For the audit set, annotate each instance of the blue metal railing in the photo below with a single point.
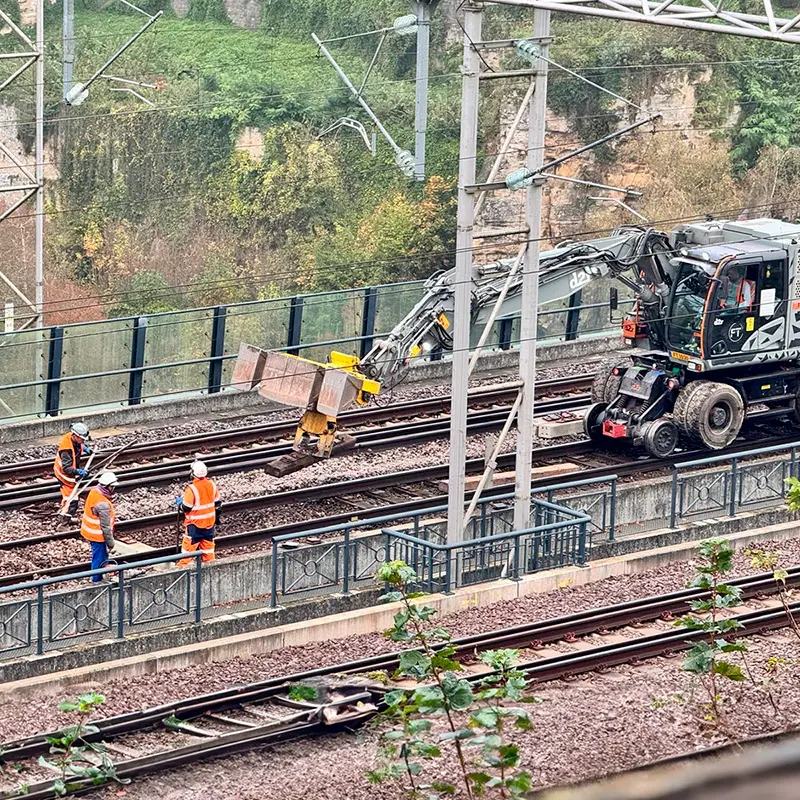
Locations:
(739, 484)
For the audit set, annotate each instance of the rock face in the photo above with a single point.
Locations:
(566, 205)
(244, 13)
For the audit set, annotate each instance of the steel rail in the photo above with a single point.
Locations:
(362, 486)
(248, 433)
(538, 671)
(254, 457)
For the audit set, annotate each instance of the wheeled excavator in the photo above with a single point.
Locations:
(714, 331)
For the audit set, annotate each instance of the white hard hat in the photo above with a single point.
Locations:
(108, 479)
(199, 469)
(80, 429)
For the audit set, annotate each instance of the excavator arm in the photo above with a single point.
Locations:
(325, 390)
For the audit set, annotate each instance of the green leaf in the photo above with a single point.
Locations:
(419, 725)
(519, 783)
(69, 705)
(444, 788)
(780, 575)
(460, 734)
(731, 647)
(391, 597)
(442, 663)
(428, 750)
(395, 573)
(415, 664)
(394, 735)
(395, 697)
(414, 767)
(478, 781)
(400, 619)
(303, 693)
(59, 787)
(484, 718)
(524, 723)
(425, 613)
(457, 691)
(510, 754)
(428, 699)
(727, 670)
(490, 741)
(699, 659)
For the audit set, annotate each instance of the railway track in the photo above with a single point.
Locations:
(247, 717)
(378, 496)
(489, 409)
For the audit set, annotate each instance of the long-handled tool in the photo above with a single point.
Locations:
(73, 495)
(81, 484)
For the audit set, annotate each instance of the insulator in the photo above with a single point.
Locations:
(406, 161)
(528, 50)
(405, 26)
(519, 179)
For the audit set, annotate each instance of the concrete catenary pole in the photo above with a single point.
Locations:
(530, 279)
(463, 273)
(68, 45)
(423, 13)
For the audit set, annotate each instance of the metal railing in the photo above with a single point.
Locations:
(132, 360)
(33, 621)
(741, 483)
(444, 567)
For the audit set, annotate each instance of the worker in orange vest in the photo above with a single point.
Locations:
(98, 522)
(200, 506)
(67, 467)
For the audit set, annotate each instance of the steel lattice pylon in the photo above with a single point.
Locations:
(19, 47)
(699, 15)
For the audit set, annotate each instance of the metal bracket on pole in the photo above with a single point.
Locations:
(80, 91)
(403, 158)
(353, 124)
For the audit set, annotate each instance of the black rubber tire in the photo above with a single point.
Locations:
(605, 386)
(590, 426)
(661, 438)
(709, 413)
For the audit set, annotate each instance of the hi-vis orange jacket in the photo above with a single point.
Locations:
(66, 445)
(91, 528)
(201, 498)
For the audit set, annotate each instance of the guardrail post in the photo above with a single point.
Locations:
(274, 599)
(198, 589)
(215, 362)
(447, 572)
(612, 511)
(121, 604)
(39, 620)
(138, 342)
(295, 325)
(368, 319)
(732, 499)
(573, 317)
(54, 363)
(346, 563)
(505, 331)
(582, 544)
(673, 511)
(515, 566)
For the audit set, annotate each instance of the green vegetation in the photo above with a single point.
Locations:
(223, 186)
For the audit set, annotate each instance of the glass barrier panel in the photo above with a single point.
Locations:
(394, 302)
(23, 358)
(182, 336)
(594, 321)
(330, 318)
(92, 348)
(263, 324)
(175, 383)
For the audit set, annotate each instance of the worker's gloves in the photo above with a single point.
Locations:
(179, 502)
(82, 473)
(87, 451)
(114, 552)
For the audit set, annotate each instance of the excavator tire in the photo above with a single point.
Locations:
(708, 413)
(605, 387)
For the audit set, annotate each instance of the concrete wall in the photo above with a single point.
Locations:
(206, 405)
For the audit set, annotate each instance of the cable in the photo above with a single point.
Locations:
(179, 322)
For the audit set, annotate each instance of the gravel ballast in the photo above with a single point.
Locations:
(38, 711)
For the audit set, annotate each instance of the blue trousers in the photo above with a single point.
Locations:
(99, 558)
